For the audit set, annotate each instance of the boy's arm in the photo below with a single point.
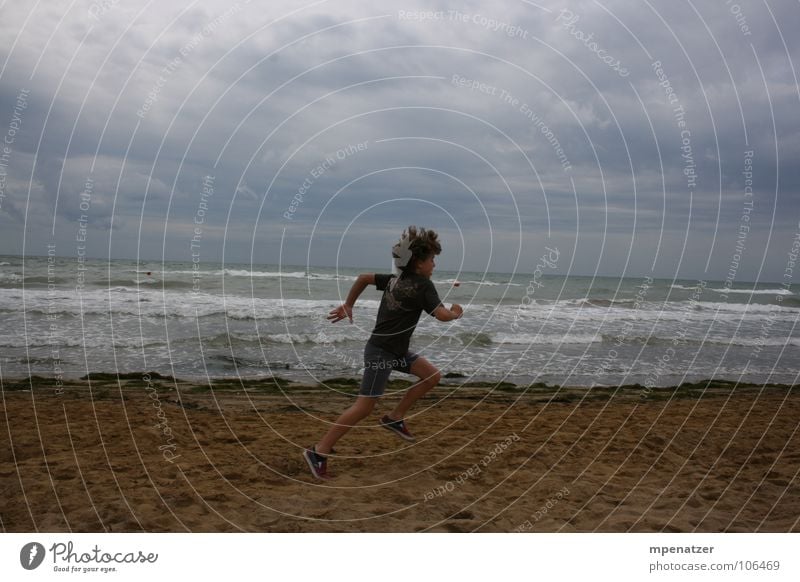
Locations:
(443, 314)
(346, 309)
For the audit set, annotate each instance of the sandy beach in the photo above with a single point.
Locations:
(149, 453)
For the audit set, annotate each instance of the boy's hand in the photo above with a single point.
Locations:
(340, 313)
(456, 308)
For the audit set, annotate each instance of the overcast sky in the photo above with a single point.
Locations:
(620, 133)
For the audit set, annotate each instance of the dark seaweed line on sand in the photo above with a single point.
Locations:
(102, 384)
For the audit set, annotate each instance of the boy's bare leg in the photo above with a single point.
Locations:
(429, 377)
(348, 419)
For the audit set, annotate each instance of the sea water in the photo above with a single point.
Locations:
(227, 320)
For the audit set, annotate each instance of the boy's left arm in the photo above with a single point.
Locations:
(346, 308)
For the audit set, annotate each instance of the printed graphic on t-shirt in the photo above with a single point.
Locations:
(404, 299)
(401, 293)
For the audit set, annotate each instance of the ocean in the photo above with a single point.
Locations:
(66, 319)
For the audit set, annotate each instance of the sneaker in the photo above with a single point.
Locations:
(398, 427)
(317, 463)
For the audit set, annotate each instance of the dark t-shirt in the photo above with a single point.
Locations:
(402, 303)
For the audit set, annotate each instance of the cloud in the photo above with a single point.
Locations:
(518, 117)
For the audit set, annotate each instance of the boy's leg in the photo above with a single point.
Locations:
(429, 376)
(349, 418)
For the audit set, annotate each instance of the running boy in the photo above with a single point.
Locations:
(404, 298)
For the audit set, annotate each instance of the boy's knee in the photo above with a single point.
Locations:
(364, 406)
(435, 378)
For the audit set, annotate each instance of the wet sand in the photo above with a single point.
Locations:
(157, 454)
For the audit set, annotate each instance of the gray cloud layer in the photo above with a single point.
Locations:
(516, 123)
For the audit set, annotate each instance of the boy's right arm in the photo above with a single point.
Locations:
(361, 283)
(443, 314)
(346, 309)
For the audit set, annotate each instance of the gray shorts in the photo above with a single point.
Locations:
(378, 364)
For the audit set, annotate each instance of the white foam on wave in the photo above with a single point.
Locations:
(754, 291)
(701, 313)
(546, 339)
(330, 277)
(777, 291)
(766, 342)
(491, 283)
(310, 338)
(246, 273)
(63, 340)
(155, 303)
(268, 274)
(742, 308)
(469, 282)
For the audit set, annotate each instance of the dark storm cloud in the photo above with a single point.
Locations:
(542, 118)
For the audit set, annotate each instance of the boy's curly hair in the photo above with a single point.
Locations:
(421, 242)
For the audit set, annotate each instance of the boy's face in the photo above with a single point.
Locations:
(426, 267)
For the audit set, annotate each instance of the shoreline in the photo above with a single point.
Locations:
(350, 384)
